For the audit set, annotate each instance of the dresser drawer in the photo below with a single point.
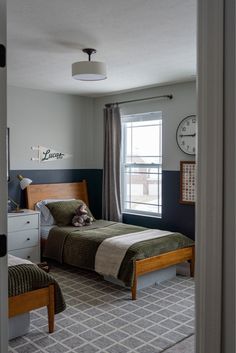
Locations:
(23, 222)
(31, 254)
(23, 239)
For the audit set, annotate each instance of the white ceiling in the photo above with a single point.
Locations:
(143, 42)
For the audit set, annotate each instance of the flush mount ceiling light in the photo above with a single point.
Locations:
(89, 70)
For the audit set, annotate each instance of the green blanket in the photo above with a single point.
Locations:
(78, 246)
(26, 277)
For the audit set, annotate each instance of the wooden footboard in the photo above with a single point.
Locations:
(32, 300)
(160, 262)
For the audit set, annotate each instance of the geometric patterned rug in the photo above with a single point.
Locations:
(101, 318)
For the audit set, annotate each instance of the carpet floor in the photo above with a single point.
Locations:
(185, 346)
(101, 318)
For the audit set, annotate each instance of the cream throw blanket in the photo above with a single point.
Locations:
(111, 251)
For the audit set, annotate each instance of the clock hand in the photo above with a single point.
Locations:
(193, 135)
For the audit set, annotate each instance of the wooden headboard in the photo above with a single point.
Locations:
(38, 192)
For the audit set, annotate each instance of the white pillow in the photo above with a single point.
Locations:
(46, 216)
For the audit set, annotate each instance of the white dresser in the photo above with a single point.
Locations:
(24, 235)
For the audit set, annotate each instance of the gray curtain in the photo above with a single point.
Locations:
(111, 168)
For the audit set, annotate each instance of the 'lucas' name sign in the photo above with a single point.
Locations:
(47, 154)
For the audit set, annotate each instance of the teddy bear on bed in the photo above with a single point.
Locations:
(81, 217)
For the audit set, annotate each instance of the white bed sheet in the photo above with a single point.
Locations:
(44, 231)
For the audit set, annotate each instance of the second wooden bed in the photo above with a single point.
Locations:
(30, 288)
(23, 303)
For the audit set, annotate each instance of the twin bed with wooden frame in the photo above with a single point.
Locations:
(23, 303)
(29, 288)
(38, 192)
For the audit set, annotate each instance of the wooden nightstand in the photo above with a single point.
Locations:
(24, 235)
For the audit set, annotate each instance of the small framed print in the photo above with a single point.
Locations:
(187, 182)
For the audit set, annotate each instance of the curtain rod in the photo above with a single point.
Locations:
(169, 96)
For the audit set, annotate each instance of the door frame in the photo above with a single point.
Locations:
(216, 176)
(3, 188)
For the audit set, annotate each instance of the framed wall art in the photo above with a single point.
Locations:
(187, 182)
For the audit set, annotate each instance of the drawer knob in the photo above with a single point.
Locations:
(28, 257)
(28, 239)
(28, 222)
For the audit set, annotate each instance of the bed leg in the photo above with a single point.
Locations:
(134, 292)
(192, 263)
(51, 308)
(134, 287)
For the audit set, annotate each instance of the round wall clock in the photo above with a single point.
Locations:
(186, 134)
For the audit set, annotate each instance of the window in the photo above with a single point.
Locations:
(141, 166)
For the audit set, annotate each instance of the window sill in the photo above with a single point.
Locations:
(141, 215)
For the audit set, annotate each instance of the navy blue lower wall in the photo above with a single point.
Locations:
(93, 177)
(175, 216)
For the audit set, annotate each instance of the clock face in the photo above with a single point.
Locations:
(186, 134)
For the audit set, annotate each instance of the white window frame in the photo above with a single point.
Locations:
(147, 116)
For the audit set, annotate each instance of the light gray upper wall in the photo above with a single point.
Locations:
(182, 104)
(60, 121)
(74, 124)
